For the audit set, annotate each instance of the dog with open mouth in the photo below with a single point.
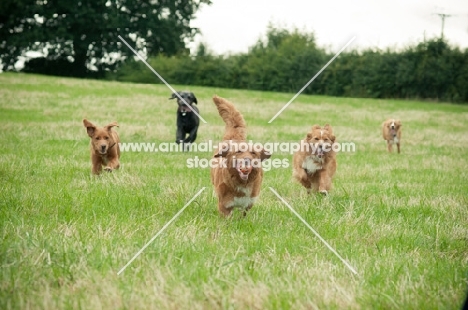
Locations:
(314, 165)
(391, 131)
(236, 170)
(104, 145)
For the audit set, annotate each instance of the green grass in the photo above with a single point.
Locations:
(399, 220)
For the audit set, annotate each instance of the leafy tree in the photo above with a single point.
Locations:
(85, 32)
(285, 61)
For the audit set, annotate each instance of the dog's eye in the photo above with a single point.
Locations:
(316, 139)
(107, 138)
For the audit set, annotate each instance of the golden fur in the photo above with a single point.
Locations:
(104, 146)
(315, 163)
(391, 132)
(236, 171)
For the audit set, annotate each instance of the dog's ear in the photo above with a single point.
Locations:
(332, 138)
(328, 128)
(90, 127)
(264, 155)
(316, 127)
(109, 126)
(223, 149)
(173, 96)
(398, 122)
(194, 99)
(221, 153)
(309, 136)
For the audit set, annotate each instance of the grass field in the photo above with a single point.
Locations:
(400, 220)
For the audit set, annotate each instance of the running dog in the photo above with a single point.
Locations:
(314, 165)
(187, 120)
(105, 150)
(236, 170)
(391, 131)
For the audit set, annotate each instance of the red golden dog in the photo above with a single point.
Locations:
(104, 146)
(236, 171)
(391, 131)
(315, 164)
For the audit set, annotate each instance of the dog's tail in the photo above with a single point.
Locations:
(235, 123)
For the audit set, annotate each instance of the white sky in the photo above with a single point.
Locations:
(232, 26)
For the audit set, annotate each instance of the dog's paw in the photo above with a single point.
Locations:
(323, 192)
(108, 169)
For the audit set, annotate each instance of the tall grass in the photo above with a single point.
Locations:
(399, 220)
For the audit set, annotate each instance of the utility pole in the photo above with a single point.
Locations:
(443, 16)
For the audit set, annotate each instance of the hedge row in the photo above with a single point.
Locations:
(287, 60)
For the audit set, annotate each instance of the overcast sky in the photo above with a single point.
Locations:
(232, 26)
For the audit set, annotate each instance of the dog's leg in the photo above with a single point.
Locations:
(112, 164)
(192, 135)
(190, 139)
(312, 182)
(244, 213)
(223, 201)
(398, 147)
(180, 135)
(324, 182)
(389, 146)
(307, 184)
(223, 210)
(97, 164)
(301, 175)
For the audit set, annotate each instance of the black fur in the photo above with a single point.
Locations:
(187, 120)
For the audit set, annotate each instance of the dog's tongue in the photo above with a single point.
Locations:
(244, 172)
(320, 153)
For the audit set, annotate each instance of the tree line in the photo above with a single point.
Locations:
(81, 38)
(287, 59)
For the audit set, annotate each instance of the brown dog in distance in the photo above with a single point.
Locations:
(105, 150)
(391, 131)
(236, 171)
(315, 163)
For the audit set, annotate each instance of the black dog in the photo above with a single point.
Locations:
(187, 120)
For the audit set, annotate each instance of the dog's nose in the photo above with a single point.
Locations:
(245, 162)
(103, 148)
